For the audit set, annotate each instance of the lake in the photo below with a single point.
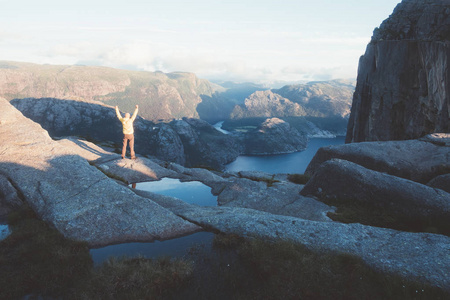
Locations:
(283, 163)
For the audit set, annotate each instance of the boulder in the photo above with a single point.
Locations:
(441, 182)
(346, 180)
(76, 198)
(418, 160)
(281, 198)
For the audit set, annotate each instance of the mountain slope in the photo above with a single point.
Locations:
(160, 95)
(314, 99)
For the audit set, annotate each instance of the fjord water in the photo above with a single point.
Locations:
(293, 163)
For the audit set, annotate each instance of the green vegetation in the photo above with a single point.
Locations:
(351, 211)
(298, 178)
(269, 181)
(137, 278)
(36, 260)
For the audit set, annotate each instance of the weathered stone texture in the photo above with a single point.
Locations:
(403, 82)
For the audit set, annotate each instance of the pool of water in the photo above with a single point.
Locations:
(4, 231)
(178, 247)
(192, 192)
(283, 163)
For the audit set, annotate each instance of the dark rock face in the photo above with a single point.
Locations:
(402, 87)
(274, 136)
(441, 182)
(418, 160)
(205, 146)
(9, 199)
(188, 141)
(346, 180)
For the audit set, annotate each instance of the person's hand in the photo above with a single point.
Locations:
(137, 106)
(117, 107)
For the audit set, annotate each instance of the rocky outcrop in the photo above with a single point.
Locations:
(274, 136)
(402, 88)
(204, 146)
(159, 95)
(419, 160)
(278, 197)
(386, 250)
(170, 145)
(441, 182)
(184, 141)
(342, 179)
(71, 195)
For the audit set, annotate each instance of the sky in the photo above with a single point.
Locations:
(263, 41)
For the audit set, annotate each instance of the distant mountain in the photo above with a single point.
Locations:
(267, 104)
(322, 98)
(220, 105)
(315, 99)
(164, 97)
(160, 95)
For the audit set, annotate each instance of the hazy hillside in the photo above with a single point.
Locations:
(316, 99)
(160, 95)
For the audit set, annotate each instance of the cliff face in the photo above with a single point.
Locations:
(403, 83)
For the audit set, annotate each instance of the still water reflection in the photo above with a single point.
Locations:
(192, 192)
(175, 248)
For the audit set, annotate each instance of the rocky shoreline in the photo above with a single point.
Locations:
(81, 190)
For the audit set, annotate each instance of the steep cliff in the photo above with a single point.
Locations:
(403, 83)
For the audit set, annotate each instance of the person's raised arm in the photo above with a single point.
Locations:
(135, 113)
(119, 116)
